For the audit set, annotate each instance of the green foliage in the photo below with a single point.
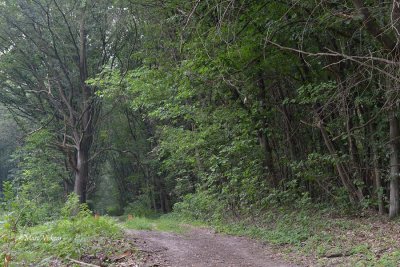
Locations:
(40, 245)
(316, 93)
(8, 141)
(388, 259)
(207, 109)
(292, 196)
(74, 209)
(34, 193)
(21, 211)
(279, 229)
(200, 206)
(315, 166)
(8, 195)
(216, 114)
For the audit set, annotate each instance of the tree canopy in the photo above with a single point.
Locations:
(219, 108)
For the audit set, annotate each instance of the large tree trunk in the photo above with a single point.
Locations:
(376, 172)
(83, 135)
(378, 184)
(81, 174)
(394, 128)
(394, 165)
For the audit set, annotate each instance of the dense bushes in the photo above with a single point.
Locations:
(199, 206)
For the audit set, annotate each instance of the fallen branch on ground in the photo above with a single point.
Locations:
(83, 263)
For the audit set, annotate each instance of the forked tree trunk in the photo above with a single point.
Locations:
(84, 133)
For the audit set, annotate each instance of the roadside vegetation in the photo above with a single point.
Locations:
(306, 233)
(319, 239)
(72, 238)
(278, 120)
(61, 241)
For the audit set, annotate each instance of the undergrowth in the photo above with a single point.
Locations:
(58, 240)
(75, 233)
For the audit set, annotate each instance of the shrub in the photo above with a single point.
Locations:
(72, 208)
(22, 210)
(199, 206)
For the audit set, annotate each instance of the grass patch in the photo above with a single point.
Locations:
(58, 240)
(163, 223)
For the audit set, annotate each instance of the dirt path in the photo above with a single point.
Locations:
(201, 248)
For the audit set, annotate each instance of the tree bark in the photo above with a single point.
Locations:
(394, 166)
(353, 150)
(84, 133)
(378, 184)
(81, 174)
(269, 167)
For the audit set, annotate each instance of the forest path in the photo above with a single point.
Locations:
(200, 247)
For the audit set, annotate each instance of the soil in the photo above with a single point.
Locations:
(200, 247)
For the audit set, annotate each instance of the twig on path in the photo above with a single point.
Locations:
(339, 254)
(83, 263)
